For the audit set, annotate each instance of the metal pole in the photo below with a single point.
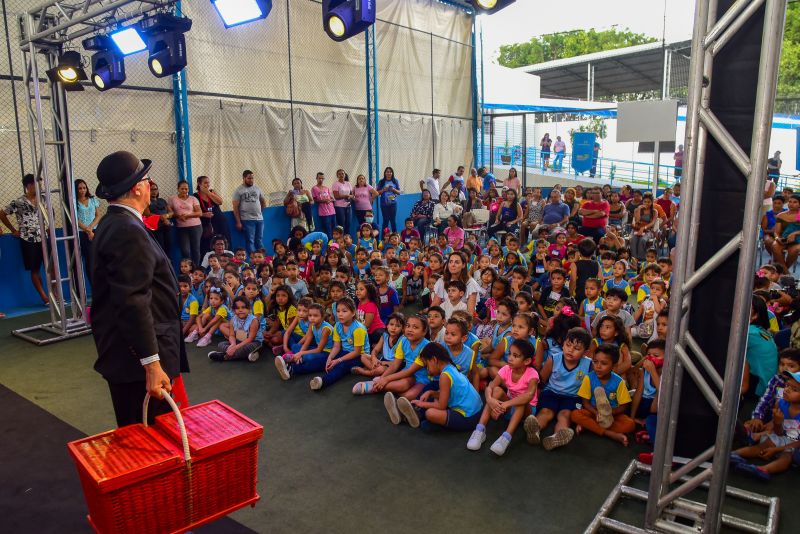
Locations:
(483, 123)
(656, 166)
(474, 83)
(524, 150)
(772, 35)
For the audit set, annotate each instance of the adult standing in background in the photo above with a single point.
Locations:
(363, 195)
(431, 183)
(488, 181)
(545, 144)
(323, 198)
(513, 181)
(343, 196)
(560, 150)
(456, 180)
(595, 157)
(305, 201)
(389, 190)
(186, 212)
(212, 219)
(774, 165)
(159, 206)
(594, 213)
(678, 157)
(474, 181)
(88, 210)
(248, 201)
(135, 309)
(25, 208)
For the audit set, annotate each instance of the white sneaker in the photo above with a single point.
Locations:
(532, 430)
(408, 411)
(499, 447)
(204, 341)
(192, 337)
(316, 383)
(476, 440)
(253, 356)
(282, 368)
(390, 404)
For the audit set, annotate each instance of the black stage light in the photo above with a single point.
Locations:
(491, 6)
(69, 71)
(343, 19)
(166, 43)
(108, 63)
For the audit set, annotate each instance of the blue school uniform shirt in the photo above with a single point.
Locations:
(403, 351)
(387, 302)
(387, 354)
(473, 342)
(623, 284)
(565, 381)
(590, 309)
(464, 360)
(243, 325)
(463, 397)
(616, 391)
(362, 273)
(649, 389)
(351, 337)
(317, 333)
(303, 325)
(197, 293)
(189, 305)
(508, 340)
(551, 348)
(607, 273)
(369, 244)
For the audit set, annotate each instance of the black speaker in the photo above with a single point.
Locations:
(733, 95)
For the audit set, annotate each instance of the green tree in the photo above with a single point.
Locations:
(789, 75)
(568, 44)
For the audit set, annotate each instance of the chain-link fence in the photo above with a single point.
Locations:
(276, 96)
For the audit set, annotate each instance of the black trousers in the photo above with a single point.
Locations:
(128, 399)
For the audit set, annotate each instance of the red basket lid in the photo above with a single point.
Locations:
(120, 457)
(211, 427)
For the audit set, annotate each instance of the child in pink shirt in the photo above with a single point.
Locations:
(454, 233)
(513, 391)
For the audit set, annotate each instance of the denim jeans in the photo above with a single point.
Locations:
(312, 363)
(327, 222)
(389, 214)
(343, 217)
(253, 234)
(558, 163)
(594, 233)
(189, 240)
(341, 370)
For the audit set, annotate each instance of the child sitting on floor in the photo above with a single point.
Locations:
(511, 394)
(605, 398)
(210, 320)
(314, 349)
(564, 374)
(350, 341)
(376, 363)
(245, 337)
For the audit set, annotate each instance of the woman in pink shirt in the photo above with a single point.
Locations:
(187, 212)
(364, 195)
(454, 233)
(343, 195)
(513, 182)
(323, 198)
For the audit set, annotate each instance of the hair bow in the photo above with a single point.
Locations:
(214, 290)
(567, 310)
(761, 273)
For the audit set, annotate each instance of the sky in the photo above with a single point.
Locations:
(529, 18)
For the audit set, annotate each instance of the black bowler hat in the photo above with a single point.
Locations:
(118, 173)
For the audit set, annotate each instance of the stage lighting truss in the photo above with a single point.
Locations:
(236, 12)
(166, 43)
(343, 19)
(490, 6)
(69, 71)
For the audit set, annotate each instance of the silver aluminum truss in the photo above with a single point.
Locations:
(44, 31)
(671, 479)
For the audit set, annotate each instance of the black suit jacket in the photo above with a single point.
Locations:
(135, 302)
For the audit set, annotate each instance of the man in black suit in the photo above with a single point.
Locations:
(135, 306)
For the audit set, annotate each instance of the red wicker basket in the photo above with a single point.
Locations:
(152, 479)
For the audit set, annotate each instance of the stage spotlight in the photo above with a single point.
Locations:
(108, 70)
(69, 71)
(343, 19)
(491, 6)
(166, 43)
(128, 40)
(236, 12)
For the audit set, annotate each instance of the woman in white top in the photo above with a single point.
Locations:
(456, 270)
(444, 209)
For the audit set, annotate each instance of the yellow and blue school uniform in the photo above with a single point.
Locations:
(361, 272)
(243, 325)
(317, 333)
(222, 311)
(463, 360)
(198, 293)
(473, 342)
(190, 308)
(387, 351)
(286, 316)
(643, 293)
(410, 355)
(774, 325)
(368, 244)
(351, 337)
(551, 348)
(607, 274)
(497, 336)
(463, 398)
(615, 388)
(564, 381)
(623, 284)
(591, 309)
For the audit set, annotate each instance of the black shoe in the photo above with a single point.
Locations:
(216, 356)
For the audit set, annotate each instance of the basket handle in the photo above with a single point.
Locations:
(178, 417)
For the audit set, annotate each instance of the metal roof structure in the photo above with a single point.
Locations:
(634, 69)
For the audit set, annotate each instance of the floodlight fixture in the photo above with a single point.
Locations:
(343, 19)
(166, 43)
(128, 40)
(108, 69)
(236, 12)
(69, 71)
(491, 6)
